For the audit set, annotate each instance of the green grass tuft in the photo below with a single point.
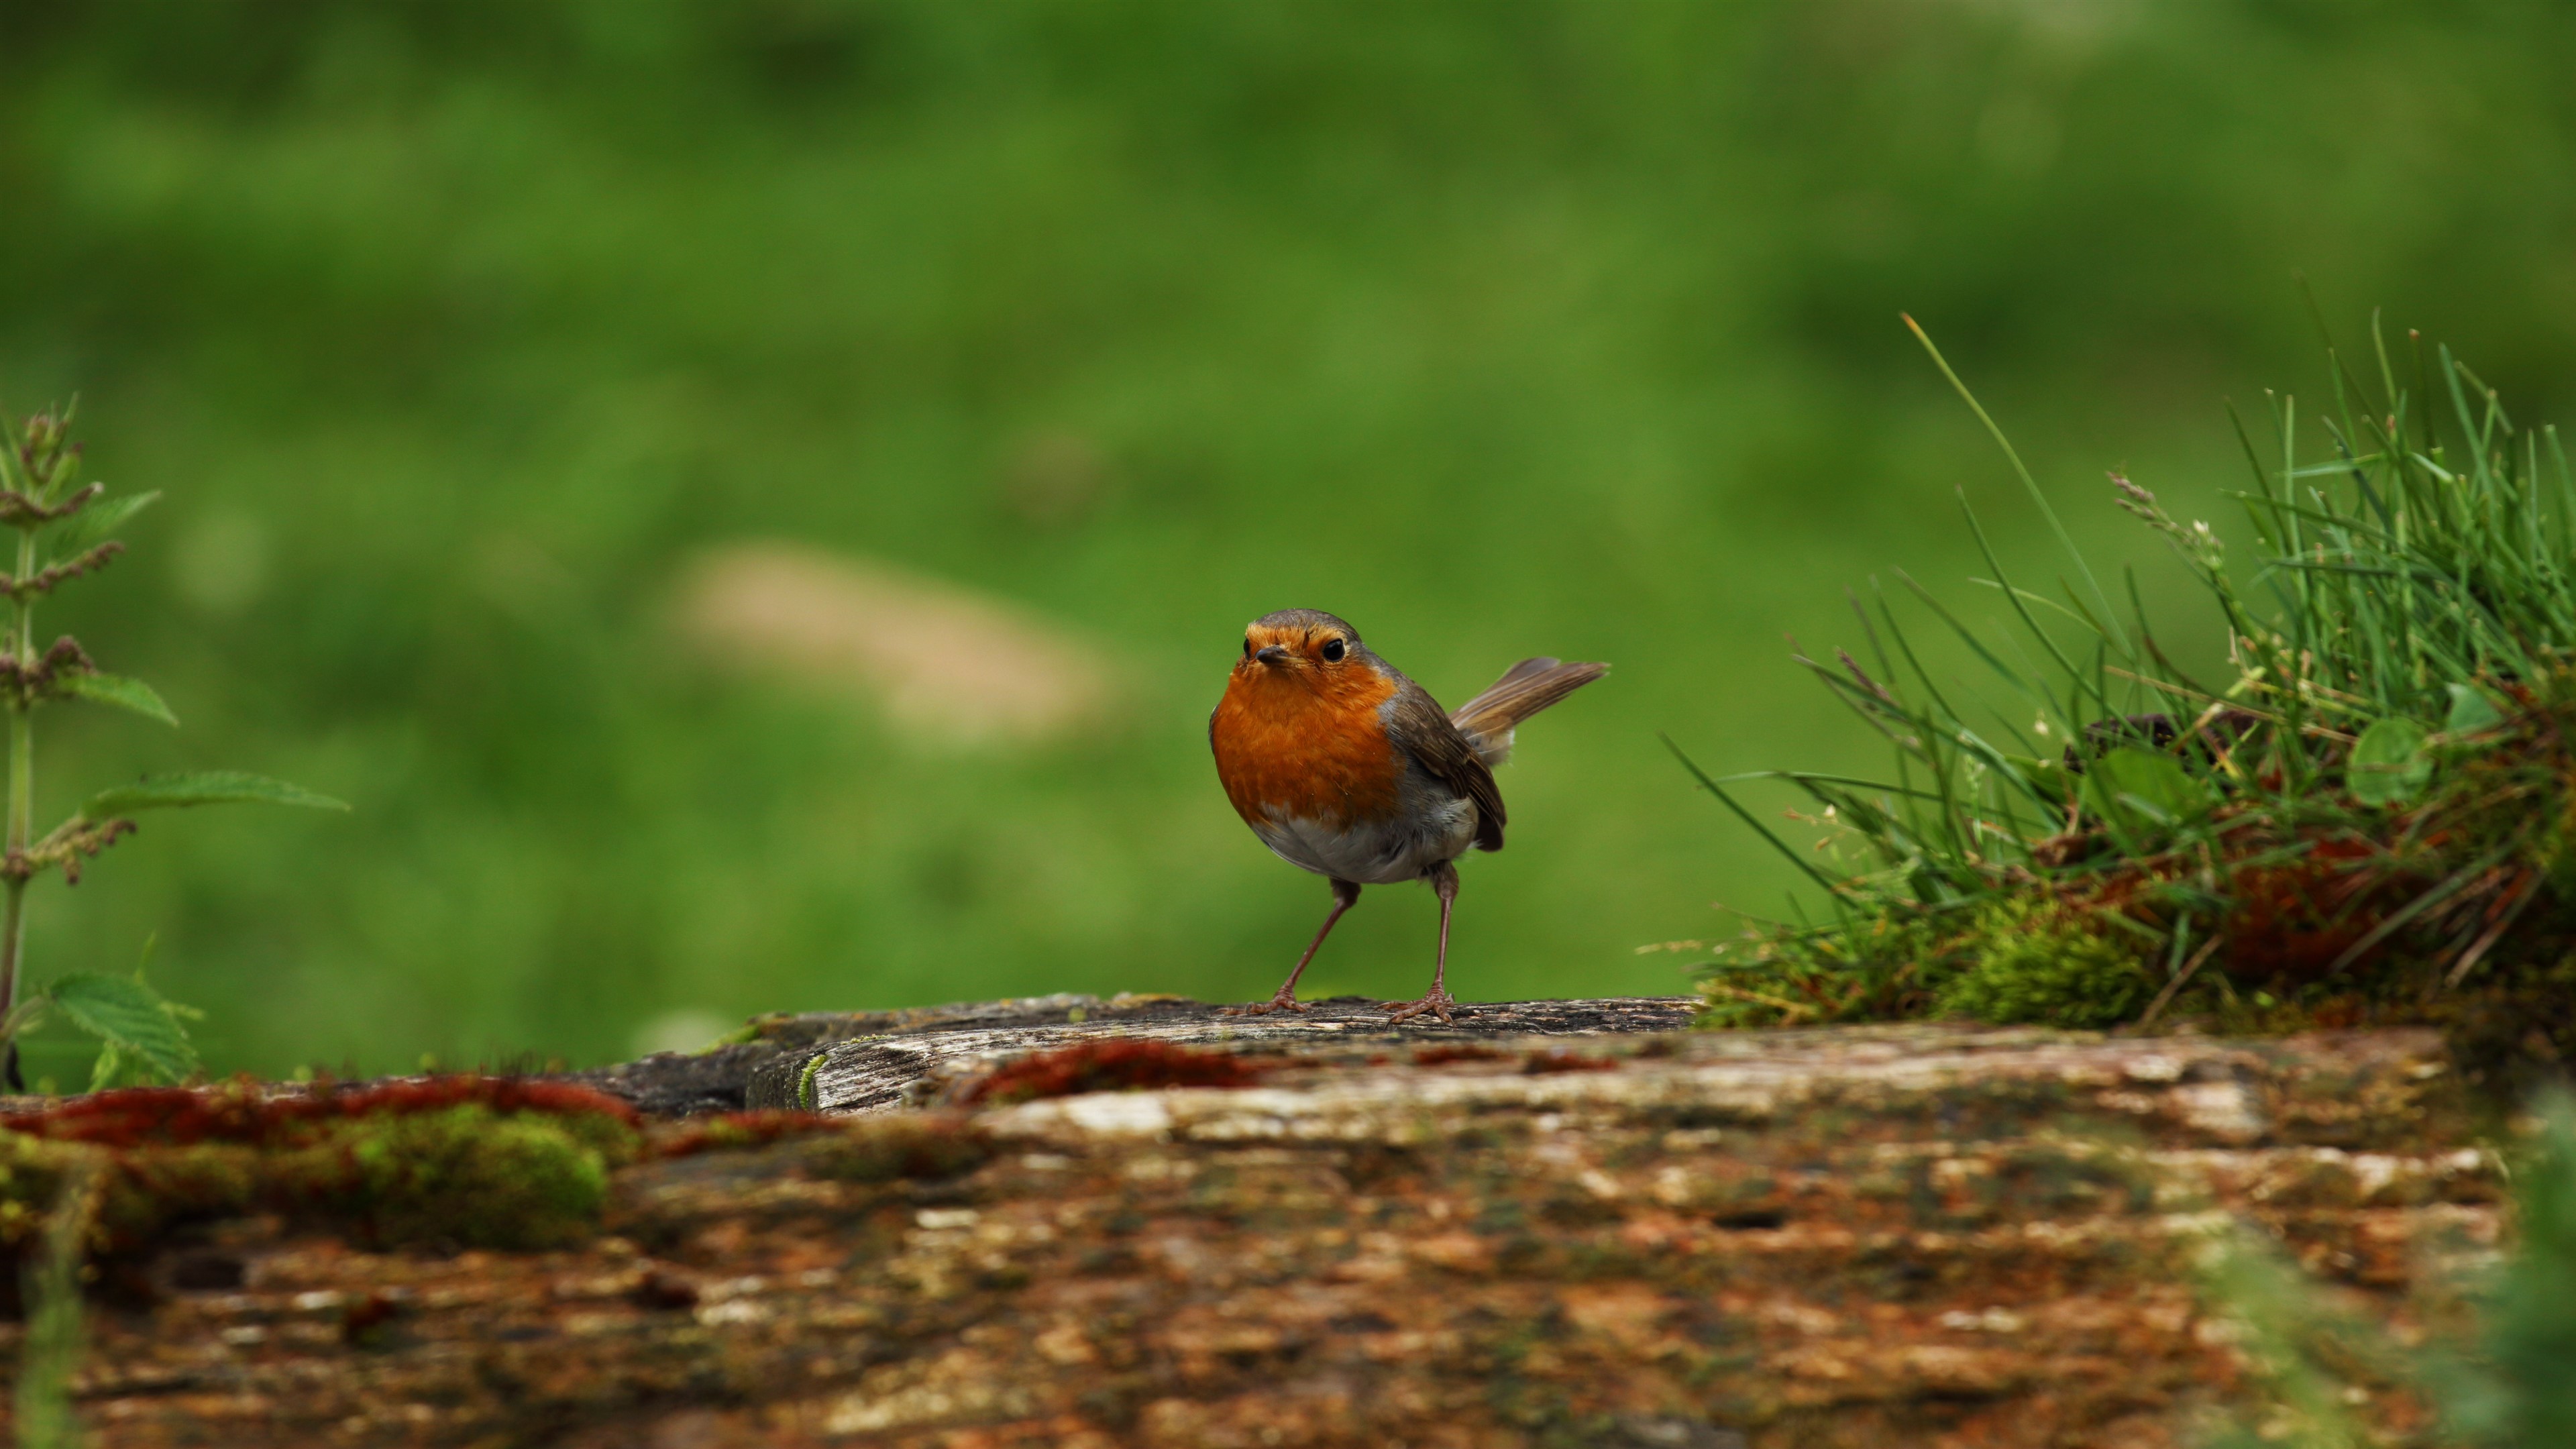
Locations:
(2371, 821)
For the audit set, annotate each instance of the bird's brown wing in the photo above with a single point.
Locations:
(1526, 688)
(1421, 729)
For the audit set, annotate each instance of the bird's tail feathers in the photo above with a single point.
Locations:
(1526, 688)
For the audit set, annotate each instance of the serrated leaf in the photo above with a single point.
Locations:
(203, 787)
(93, 524)
(130, 1017)
(124, 693)
(2389, 764)
(2144, 788)
(2471, 711)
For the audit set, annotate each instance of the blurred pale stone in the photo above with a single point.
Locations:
(947, 665)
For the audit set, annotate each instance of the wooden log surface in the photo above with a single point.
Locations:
(876, 1060)
(1538, 1227)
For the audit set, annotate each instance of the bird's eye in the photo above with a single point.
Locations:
(1247, 648)
(1334, 649)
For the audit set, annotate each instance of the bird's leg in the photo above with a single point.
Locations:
(1346, 894)
(1444, 884)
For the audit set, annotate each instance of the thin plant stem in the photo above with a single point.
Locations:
(22, 791)
(2110, 624)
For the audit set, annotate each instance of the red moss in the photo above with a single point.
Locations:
(1555, 1059)
(1443, 1055)
(2290, 920)
(242, 1111)
(363, 1321)
(2294, 921)
(1111, 1066)
(663, 1291)
(727, 1130)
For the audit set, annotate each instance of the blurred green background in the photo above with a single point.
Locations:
(461, 333)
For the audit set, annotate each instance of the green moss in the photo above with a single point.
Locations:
(1884, 969)
(2555, 852)
(156, 1185)
(31, 1178)
(466, 1175)
(2042, 964)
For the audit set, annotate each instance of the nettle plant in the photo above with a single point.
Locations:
(62, 527)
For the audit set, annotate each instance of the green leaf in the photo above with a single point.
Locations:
(2389, 764)
(2141, 789)
(124, 693)
(94, 523)
(2471, 711)
(130, 1017)
(203, 787)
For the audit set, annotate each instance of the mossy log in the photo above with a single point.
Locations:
(1864, 1236)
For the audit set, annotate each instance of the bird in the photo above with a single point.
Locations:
(1345, 767)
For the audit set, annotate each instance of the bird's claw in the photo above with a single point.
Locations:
(1436, 1004)
(1282, 1002)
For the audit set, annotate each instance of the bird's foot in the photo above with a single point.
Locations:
(1285, 1001)
(1437, 1003)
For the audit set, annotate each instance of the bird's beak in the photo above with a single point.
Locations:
(1272, 655)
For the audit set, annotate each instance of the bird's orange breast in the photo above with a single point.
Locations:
(1311, 749)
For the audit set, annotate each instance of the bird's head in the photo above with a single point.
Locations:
(1305, 647)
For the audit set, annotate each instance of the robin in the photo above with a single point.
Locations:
(1346, 768)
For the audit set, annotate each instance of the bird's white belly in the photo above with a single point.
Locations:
(1402, 849)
